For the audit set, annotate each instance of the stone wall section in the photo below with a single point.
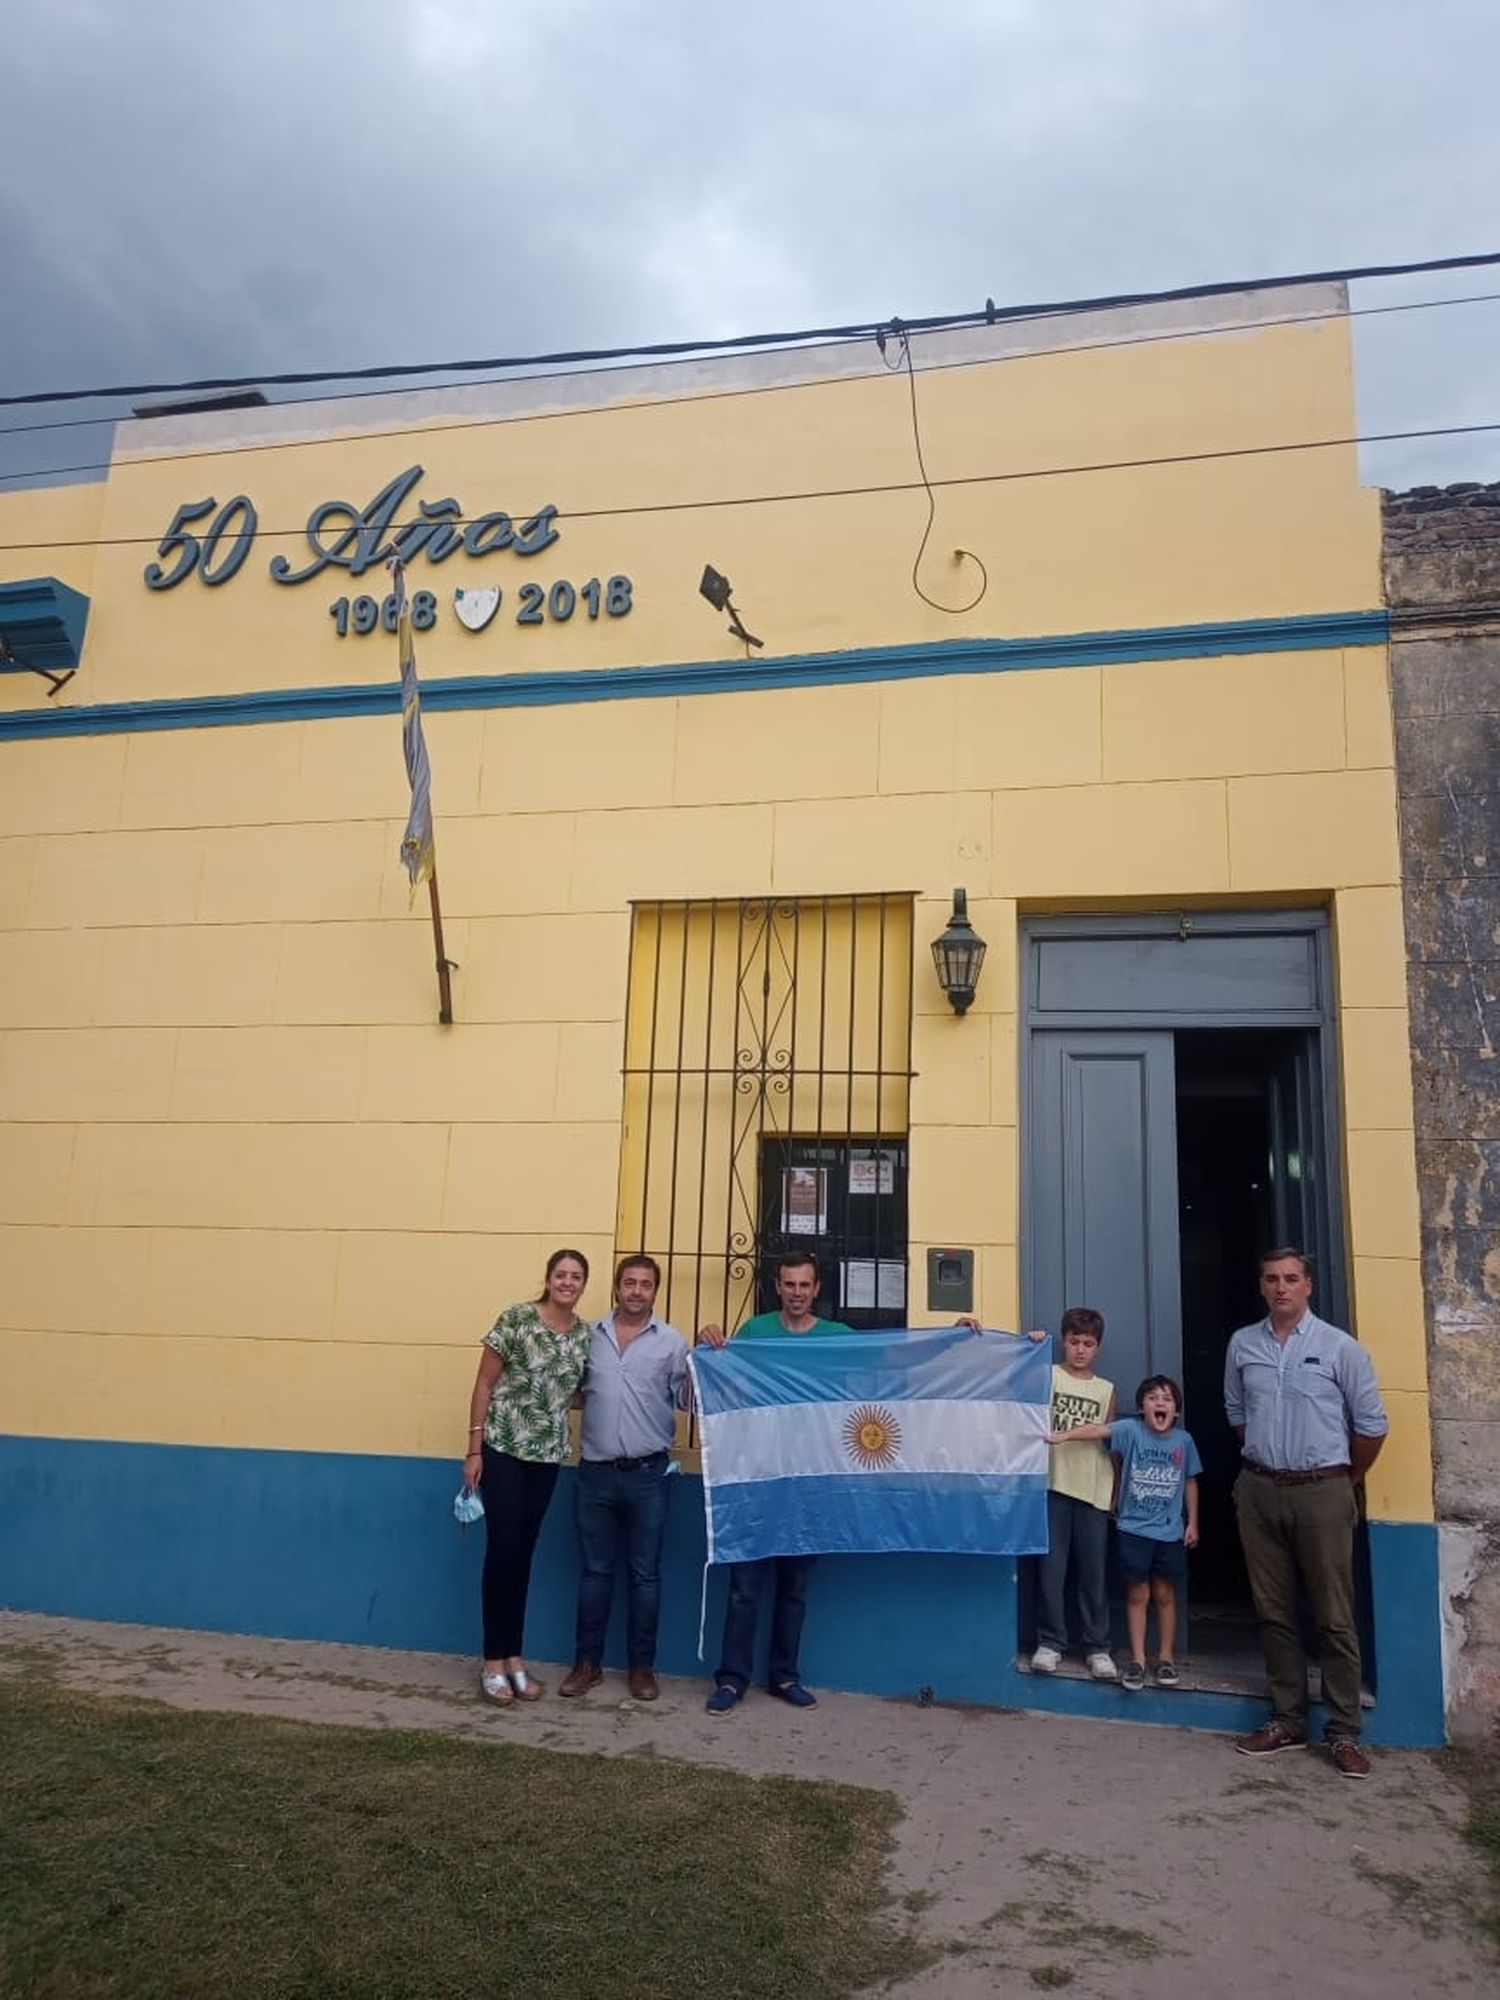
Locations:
(1442, 580)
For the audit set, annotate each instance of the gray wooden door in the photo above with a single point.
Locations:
(1101, 1157)
(1304, 1201)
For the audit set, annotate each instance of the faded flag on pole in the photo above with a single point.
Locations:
(417, 853)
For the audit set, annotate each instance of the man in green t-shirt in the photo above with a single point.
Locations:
(796, 1284)
(796, 1281)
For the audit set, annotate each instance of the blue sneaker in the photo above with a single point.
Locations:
(723, 1699)
(795, 1695)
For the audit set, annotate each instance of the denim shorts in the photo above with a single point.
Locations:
(1142, 1557)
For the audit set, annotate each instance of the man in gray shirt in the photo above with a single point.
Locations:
(1301, 1397)
(636, 1383)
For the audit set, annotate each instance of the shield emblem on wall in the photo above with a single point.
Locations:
(476, 608)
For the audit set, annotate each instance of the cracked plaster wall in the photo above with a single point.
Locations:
(1442, 577)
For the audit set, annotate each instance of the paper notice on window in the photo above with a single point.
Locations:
(872, 1173)
(804, 1201)
(870, 1285)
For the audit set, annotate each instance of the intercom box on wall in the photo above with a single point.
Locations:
(950, 1281)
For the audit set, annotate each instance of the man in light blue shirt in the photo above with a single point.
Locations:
(1301, 1397)
(634, 1387)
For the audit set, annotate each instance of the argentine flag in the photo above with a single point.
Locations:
(859, 1444)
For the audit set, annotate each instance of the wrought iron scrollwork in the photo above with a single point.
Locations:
(756, 1024)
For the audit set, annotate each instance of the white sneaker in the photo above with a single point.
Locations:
(1102, 1667)
(1045, 1660)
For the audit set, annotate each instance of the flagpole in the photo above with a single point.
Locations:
(445, 988)
(418, 849)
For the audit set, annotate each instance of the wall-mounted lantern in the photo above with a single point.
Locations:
(958, 955)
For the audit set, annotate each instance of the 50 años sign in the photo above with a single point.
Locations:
(340, 536)
(357, 539)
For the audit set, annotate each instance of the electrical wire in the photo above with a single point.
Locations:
(858, 492)
(712, 395)
(952, 610)
(990, 314)
(1219, 327)
(52, 472)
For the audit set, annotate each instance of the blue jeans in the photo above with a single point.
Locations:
(1078, 1531)
(611, 1505)
(742, 1614)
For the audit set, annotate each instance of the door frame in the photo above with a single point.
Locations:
(1314, 1007)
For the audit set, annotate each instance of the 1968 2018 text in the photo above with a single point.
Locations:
(536, 604)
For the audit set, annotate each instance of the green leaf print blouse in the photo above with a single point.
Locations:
(528, 1413)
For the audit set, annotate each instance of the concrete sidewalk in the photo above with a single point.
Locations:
(1036, 1853)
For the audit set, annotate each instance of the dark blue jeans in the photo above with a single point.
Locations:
(742, 1614)
(617, 1507)
(1077, 1538)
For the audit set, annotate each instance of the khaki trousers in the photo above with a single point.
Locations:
(1303, 1534)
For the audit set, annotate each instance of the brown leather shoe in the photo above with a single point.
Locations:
(1270, 1738)
(584, 1675)
(1349, 1760)
(643, 1684)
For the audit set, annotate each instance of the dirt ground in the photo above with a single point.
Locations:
(1036, 1854)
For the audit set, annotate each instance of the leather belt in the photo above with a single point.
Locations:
(1308, 1478)
(630, 1464)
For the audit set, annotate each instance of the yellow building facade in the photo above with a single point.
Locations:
(257, 1205)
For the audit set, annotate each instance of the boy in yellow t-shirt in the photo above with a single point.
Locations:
(1080, 1490)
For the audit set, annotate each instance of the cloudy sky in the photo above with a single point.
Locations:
(294, 184)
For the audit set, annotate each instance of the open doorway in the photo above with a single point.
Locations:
(1180, 1115)
(1227, 1082)
(1230, 1159)
(1249, 1157)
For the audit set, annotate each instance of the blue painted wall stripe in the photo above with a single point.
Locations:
(875, 663)
(364, 1549)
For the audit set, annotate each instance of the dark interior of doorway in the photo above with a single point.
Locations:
(1232, 1169)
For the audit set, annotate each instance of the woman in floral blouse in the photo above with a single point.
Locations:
(533, 1361)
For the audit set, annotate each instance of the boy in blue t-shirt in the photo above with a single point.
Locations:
(1156, 1518)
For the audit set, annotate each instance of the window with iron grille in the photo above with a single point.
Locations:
(767, 1084)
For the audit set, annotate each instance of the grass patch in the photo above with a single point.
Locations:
(1478, 1771)
(1104, 1940)
(1431, 1906)
(22, 1657)
(1442, 1902)
(147, 1852)
(1009, 1916)
(1061, 1922)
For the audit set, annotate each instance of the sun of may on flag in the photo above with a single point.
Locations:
(417, 853)
(868, 1443)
